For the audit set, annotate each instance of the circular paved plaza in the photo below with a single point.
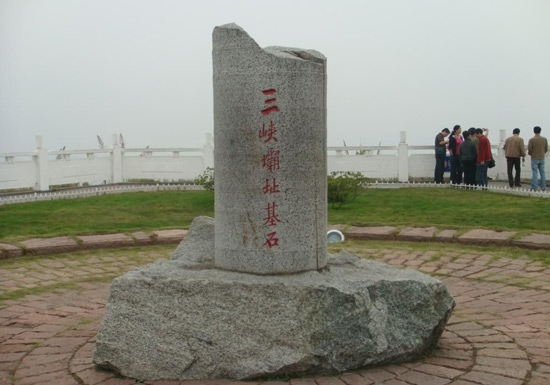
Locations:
(499, 332)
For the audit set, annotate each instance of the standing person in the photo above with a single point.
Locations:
(468, 157)
(473, 136)
(537, 147)
(483, 156)
(440, 152)
(514, 149)
(454, 150)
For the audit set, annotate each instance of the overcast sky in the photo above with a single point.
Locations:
(72, 69)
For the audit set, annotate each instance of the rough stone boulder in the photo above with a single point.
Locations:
(176, 320)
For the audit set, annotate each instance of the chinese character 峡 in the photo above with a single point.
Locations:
(272, 240)
(270, 161)
(269, 133)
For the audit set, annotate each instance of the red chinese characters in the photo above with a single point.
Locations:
(271, 164)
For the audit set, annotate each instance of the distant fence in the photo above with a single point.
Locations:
(84, 192)
(41, 169)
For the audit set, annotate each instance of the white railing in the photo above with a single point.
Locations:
(41, 169)
(84, 192)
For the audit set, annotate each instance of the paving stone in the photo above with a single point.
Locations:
(375, 232)
(142, 238)
(106, 240)
(483, 237)
(533, 241)
(417, 234)
(36, 246)
(169, 236)
(9, 251)
(491, 379)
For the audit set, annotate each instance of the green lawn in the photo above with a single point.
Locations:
(444, 208)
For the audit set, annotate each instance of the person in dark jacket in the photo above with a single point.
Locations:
(468, 157)
(440, 152)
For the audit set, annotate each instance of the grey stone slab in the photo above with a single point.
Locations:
(106, 240)
(370, 232)
(270, 155)
(198, 245)
(35, 246)
(533, 241)
(142, 238)
(9, 251)
(169, 236)
(417, 233)
(482, 237)
(164, 321)
(445, 234)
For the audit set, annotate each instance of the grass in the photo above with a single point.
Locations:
(104, 214)
(443, 208)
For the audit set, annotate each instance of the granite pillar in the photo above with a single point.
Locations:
(270, 155)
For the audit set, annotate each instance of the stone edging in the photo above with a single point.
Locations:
(42, 246)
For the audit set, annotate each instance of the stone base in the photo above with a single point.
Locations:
(174, 320)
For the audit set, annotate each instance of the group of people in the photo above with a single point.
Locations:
(470, 155)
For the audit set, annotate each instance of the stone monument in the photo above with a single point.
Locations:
(270, 155)
(253, 293)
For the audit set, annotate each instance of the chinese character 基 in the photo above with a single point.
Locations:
(272, 217)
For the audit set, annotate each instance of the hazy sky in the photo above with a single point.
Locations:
(72, 69)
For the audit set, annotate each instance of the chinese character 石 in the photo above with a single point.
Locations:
(271, 240)
(271, 188)
(270, 161)
(272, 217)
(270, 109)
(269, 133)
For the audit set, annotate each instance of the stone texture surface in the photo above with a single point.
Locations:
(49, 245)
(8, 251)
(106, 240)
(417, 233)
(169, 236)
(168, 322)
(371, 232)
(535, 241)
(270, 155)
(198, 245)
(480, 236)
(142, 238)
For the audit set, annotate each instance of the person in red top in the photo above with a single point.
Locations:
(483, 156)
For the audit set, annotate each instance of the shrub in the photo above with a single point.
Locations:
(343, 187)
(206, 179)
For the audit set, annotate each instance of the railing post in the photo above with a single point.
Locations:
(403, 158)
(116, 160)
(501, 157)
(41, 160)
(208, 152)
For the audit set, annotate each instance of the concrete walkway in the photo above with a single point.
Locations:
(43, 246)
(499, 333)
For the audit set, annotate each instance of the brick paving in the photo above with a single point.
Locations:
(499, 333)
